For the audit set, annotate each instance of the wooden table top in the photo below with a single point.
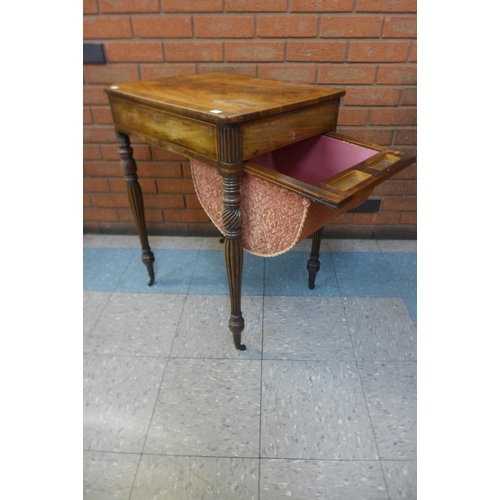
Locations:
(222, 98)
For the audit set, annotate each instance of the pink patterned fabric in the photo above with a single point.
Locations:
(273, 217)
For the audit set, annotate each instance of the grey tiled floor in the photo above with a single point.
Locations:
(322, 404)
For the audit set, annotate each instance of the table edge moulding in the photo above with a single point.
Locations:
(265, 138)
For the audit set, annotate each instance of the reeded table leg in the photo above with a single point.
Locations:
(233, 252)
(135, 199)
(231, 169)
(313, 264)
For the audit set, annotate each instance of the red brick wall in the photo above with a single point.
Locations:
(367, 47)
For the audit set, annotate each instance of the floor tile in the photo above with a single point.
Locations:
(381, 329)
(108, 475)
(391, 395)
(411, 304)
(364, 274)
(212, 243)
(401, 478)
(173, 272)
(354, 245)
(397, 245)
(305, 246)
(404, 269)
(207, 408)
(93, 304)
(322, 479)
(210, 275)
(306, 328)
(287, 275)
(253, 274)
(136, 324)
(204, 333)
(133, 241)
(314, 409)
(111, 241)
(103, 267)
(196, 478)
(119, 394)
(174, 243)
(336, 395)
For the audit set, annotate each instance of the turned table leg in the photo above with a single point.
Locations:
(313, 264)
(135, 199)
(231, 169)
(233, 253)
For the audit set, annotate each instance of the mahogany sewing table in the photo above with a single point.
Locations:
(224, 120)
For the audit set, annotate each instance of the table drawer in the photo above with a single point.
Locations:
(289, 193)
(331, 169)
(165, 129)
(277, 131)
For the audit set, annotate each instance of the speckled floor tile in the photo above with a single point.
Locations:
(210, 277)
(174, 243)
(352, 245)
(411, 305)
(119, 394)
(381, 329)
(306, 328)
(93, 304)
(196, 478)
(314, 409)
(212, 243)
(391, 395)
(173, 272)
(364, 274)
(108, 475)
(404, 269)
(103, 267)
(207, 408)
(136, 324)
(287, 275)
(322, 479)
(305, 246)
(401, 478)
(111, 241)
(324, 418)
(397, 245)
(204, 333)
(133, 241)
(209, 274)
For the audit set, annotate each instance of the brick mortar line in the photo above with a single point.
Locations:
(325, 40)
(137, 15)
(311, 63)
(287, 13)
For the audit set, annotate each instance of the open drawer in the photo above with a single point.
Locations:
(331, 169)
(290, 192)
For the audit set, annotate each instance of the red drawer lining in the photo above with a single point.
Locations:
(315, 159)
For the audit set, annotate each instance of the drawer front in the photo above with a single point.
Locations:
(331, 168)
(162, 128)
(267, 134)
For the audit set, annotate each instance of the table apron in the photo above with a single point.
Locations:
(273, 132)
(165, 129)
